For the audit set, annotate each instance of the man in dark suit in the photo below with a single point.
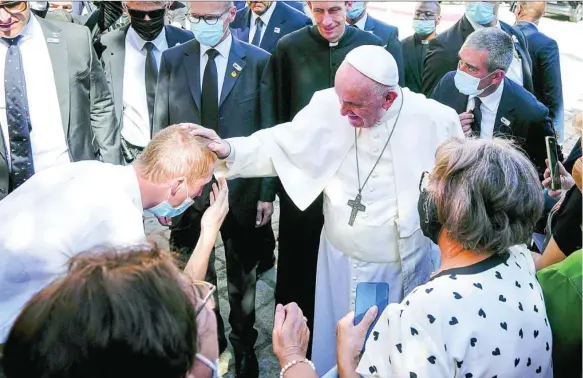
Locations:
(442, 52)
(358, 17)
(131, 60)
(491, 105)
(273, 20)
(225, 84)
(69, 107)
(546, 63)
(425, 20)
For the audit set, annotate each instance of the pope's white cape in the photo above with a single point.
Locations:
(307, 152)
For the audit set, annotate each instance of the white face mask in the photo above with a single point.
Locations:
(468, 85)
(213, 366)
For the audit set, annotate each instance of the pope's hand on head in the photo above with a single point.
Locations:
(219, 146)
(467, 119)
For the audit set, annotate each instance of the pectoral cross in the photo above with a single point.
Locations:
(356, 207)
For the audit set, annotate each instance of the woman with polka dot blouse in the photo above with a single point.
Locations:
(482, 314)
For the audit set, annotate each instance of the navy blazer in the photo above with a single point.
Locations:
(546, 70)
(520, 116)
(442, 53)
(111, 50)
(283, 21)
(246, 105)
(389, 36)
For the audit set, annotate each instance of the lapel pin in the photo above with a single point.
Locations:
(177, 44)
(276, 30)
(52, 40)
(505, 121)
(237, 67)
(514, 39)
(234, 74)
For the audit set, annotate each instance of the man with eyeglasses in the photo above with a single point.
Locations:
(55, 103)
(131, 59)
(225, 84)
(442, 52)
(427, 17)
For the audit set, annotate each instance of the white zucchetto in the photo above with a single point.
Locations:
(375, 63)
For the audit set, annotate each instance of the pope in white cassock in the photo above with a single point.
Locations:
(365, 143)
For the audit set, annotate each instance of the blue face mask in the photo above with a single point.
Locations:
(468, 85)
(424, 27)
(356, 10)
(481, 13)
(208, 35)
(164, 209)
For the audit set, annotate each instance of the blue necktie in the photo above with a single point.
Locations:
(210, 93)
(151, 79)
(17, 115)
(258, 29)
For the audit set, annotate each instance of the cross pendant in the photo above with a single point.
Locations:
(357, 206)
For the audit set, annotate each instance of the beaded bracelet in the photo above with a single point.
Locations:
(290, 364)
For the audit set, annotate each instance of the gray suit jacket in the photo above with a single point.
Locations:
(87, 111)
(111, 50)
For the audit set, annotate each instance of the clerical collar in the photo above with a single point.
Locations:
(318, 37)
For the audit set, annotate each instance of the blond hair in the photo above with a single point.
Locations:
(174, 152)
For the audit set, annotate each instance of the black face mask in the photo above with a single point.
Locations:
(147, 30)
(430, 224)
(109, 13)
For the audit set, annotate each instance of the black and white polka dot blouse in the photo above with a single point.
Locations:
(485, 320)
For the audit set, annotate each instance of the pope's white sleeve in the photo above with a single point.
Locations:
(248, 158)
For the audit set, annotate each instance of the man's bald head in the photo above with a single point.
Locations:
(531, 11)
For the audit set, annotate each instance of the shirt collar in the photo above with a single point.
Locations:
(265, 17)
(535, 26)
(492, 101)
(360, 24)
(139, 43)
(222, 48)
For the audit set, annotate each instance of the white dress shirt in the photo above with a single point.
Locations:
(265, 17)
(223, 49)
(136, 121)
(47, 138)
(360, 24)
(56, 215)
(515, 70)
(489, 110)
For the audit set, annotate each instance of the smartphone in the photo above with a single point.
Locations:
(369, 294)
(553, 162)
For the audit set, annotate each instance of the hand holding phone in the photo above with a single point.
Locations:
(369, 294)
(553, 163)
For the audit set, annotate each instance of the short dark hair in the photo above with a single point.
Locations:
(116, 314)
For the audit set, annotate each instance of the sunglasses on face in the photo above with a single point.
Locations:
(138, 14)
(13, 6)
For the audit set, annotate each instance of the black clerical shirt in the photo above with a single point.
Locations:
(305, 62)
(414, 53)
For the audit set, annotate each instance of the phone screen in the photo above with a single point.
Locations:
(369, 294)
(553, 163)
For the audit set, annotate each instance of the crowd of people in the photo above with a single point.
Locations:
(421, 163)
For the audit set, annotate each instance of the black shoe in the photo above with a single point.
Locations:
(246, 365)
(265, 265)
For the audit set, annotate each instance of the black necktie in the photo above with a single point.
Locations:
(210, 93)
(258, 29)
(17, 115)
(151, 79)
(477, 124)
